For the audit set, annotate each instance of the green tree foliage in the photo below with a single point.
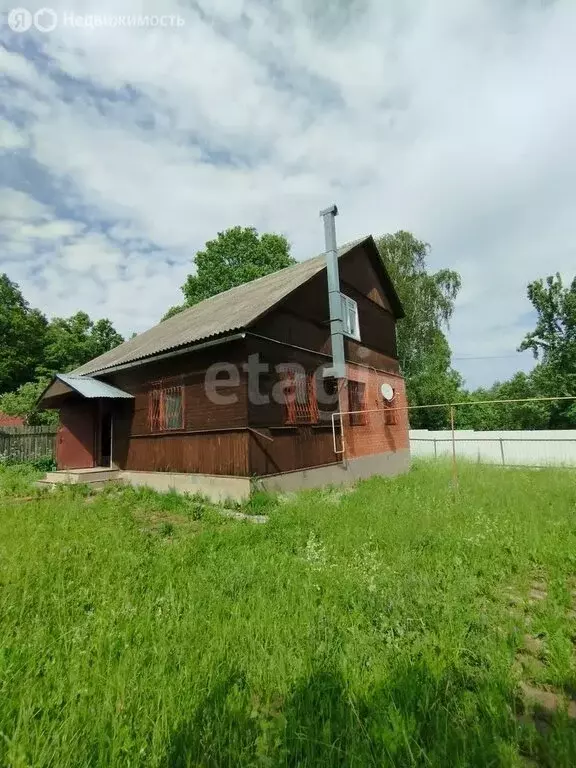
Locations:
(22, 334)
(554, 338)
(425, 359)
(22, 402)
(435, 382)
(551, 382)
(176, 309)
(423, 351)
(522, 415)
(236, 256)
(428, 298)
(33, 350)
(72, 341)
(553, 343)
(495, 416)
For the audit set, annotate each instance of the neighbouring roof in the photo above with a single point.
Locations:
(11, 421)
(231, 310)
(85, 386)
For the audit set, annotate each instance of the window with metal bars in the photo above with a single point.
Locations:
(301, 405)
(357, 402)
(390, 414)
(166, 407)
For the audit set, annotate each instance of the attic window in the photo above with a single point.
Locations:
(166, 407)
(350, 317)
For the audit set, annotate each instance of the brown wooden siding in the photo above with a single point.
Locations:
(275, 447)
(377, 325)
(356, 270)
(210, 453)
(290, 448)
(358, 353)
(201, 412)
(303, 320)
(272, 413)
(209, 442)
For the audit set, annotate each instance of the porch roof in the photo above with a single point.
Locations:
(83, 385)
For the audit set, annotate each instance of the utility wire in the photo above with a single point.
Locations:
(488, 357)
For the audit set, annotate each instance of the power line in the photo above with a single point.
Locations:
(488, 357)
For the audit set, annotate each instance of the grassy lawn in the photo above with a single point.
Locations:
(397, 624)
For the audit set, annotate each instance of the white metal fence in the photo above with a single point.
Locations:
(513, 448)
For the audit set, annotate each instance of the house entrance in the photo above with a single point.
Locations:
(105, 452)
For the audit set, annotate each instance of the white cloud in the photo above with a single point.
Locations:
(94, 252)
(52, 230)
(18, 205)
(10, 137)
(453, 120)
(16, 66)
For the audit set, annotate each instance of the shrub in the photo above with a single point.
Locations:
(44, 464)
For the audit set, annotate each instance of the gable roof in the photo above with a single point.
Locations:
(231, 310)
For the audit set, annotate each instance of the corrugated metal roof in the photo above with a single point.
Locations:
(88, 387)
(228, 311)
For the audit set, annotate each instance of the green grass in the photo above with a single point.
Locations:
(367, 628)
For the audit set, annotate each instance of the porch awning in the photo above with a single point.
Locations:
(64, 384)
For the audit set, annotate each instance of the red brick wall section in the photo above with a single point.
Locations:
(375, 435)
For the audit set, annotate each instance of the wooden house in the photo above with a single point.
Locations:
(233, 389)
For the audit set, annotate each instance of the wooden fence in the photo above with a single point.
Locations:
(27, 443)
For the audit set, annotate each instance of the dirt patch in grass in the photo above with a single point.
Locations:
(534, 645)
(527, 762)
(527, 666)
(547, 701)
(166, 524)
(541, 704)
(538, 591)
(529, 663)
(23, 499)
(571, 613)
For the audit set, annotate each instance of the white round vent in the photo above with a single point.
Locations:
(387, 392)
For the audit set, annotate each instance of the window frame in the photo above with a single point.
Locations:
(298, 413)
(158, 416)
(357, 402)
(350, 307)
(390, 412)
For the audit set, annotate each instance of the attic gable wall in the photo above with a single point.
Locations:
(302, 319)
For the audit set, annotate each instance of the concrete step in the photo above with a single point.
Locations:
(94, 486)
(91, 476)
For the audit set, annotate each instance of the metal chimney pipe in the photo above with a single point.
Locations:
(338, 369)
